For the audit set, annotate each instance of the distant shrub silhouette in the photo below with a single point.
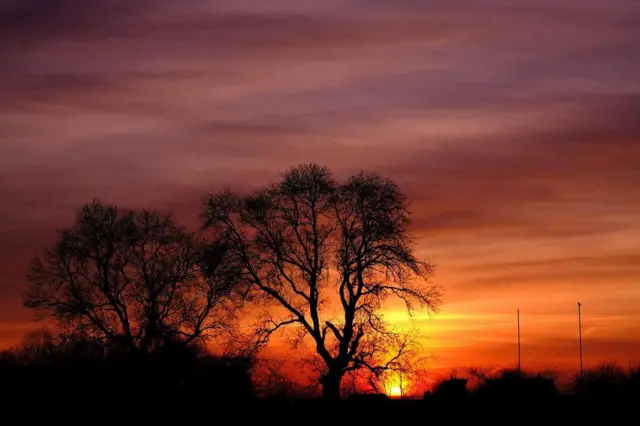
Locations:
(59, 369)
(633, 383)
(277, 378)
(607, 383)
(514, 385)
(451, 389)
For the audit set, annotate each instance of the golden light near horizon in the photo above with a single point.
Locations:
(395, 391)
(395, 385)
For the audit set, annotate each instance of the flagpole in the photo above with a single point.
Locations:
(580, 333)
(519, 363)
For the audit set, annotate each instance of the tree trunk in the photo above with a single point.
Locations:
(331, 385)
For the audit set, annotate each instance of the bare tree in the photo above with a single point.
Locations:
(37, 345)
(271, 377)
(328, 255)
(132, 278)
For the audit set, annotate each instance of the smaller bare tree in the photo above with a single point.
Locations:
(271, 377)
(132, 278)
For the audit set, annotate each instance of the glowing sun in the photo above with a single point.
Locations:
(395, 391)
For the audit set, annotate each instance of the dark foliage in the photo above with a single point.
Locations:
(516, 386)
(56, 369)
(607, 383)
(452, 389)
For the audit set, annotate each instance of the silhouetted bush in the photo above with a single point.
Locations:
(453, 389)
(88, 371)
(514, 385)
(608, 383)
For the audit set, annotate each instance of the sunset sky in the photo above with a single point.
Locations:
(513, 126)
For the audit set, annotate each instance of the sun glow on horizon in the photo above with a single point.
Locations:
(394, 391)
(395, 386)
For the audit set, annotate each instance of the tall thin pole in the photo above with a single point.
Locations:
(580, 333)
(519, 363)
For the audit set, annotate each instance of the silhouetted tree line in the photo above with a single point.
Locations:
(135, 301)
(606, 384)
(134, 297)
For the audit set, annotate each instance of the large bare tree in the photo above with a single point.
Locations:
(132, 278)
(328, 255)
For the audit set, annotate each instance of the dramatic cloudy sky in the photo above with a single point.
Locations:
(514, 126)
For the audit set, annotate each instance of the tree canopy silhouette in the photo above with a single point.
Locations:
(132, 278)
(307, 240)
